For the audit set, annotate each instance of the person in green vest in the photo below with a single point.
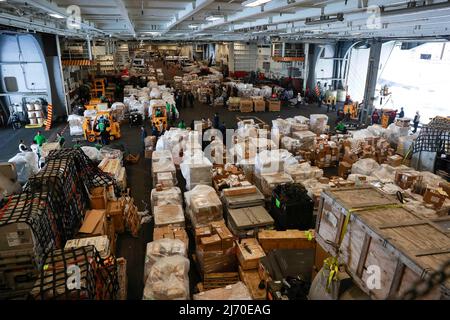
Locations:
(60, 139)
(39, 139)
(182, 125)
(103, 134)
(167, 108)
(173, 113)
(158, 113)
(341, 128)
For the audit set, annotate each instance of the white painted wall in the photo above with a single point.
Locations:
(324, 67)
(357, 73)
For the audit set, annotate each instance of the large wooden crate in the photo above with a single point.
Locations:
(246, 105)
(370, 229)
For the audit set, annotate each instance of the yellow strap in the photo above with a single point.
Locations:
(45, 267)
(347, 218)
(309, 235)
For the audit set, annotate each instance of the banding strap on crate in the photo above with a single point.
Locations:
(332, 264)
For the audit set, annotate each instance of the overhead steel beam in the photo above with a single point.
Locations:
(124, 13)
(51, 7)
(188, 12)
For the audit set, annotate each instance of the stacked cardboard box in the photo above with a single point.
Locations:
(162, 162)
(168, 215)
(150, 144)
(203, 205)
(249, 252)
(259, 104)
(305, 138)
(171, 232)
(234, 103)
(246, 105)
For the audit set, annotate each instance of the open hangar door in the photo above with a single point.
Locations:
(416, 75)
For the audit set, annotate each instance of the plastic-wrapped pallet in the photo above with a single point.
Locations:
(394, 132)
(271, 181)
(168, 279)
(385, 173)
(237, 291)
(75, 125)
(243, 151)
(169, 214)
(296, 126)
(273, 161)
(405, 143)
(196, 170)
(365, 166)
(162, 161)
(119, 110)
(162, 248)
(361, 179)
(302, 120)
(303, 171)
(203, 205)
(283, 126)
(306, 139)
(26, 164)
(290, 144)
(261, 144)
(318, 123)
(166, 196)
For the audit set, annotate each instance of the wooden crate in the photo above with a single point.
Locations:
(289, 239)
(114, 209)
(252, 280)
(274, 105)
(219, 280)
(246, 105)
(260, 105)
(372, 229)
(249, 259)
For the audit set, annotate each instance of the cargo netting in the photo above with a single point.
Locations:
(32, 209)
(77, 274)
(434, 137)
(67, 177)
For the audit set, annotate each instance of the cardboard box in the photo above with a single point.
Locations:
(224, 233)
(274, 105)
(249, 252)
(289, 239)
(211, 243)
(435, 196)
(446, 187)
(344, 169)
(101, 243)
(97, 198)
(260, 105)
(148, 152)
(114, 209)
(395, 160)
(406, 180)
(169, 215)
(94, 224)
(171, 232)
(246, 105)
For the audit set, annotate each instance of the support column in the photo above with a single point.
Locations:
(371, 80)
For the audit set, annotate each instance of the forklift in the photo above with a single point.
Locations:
(92, 134)
(159, 118)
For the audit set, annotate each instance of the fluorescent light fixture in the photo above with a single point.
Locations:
(153, 33)
(193, 26)
(213, 18)
(255, 3)
(56, 15)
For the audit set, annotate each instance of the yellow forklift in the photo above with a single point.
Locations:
(92, 134)
(159, 118)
